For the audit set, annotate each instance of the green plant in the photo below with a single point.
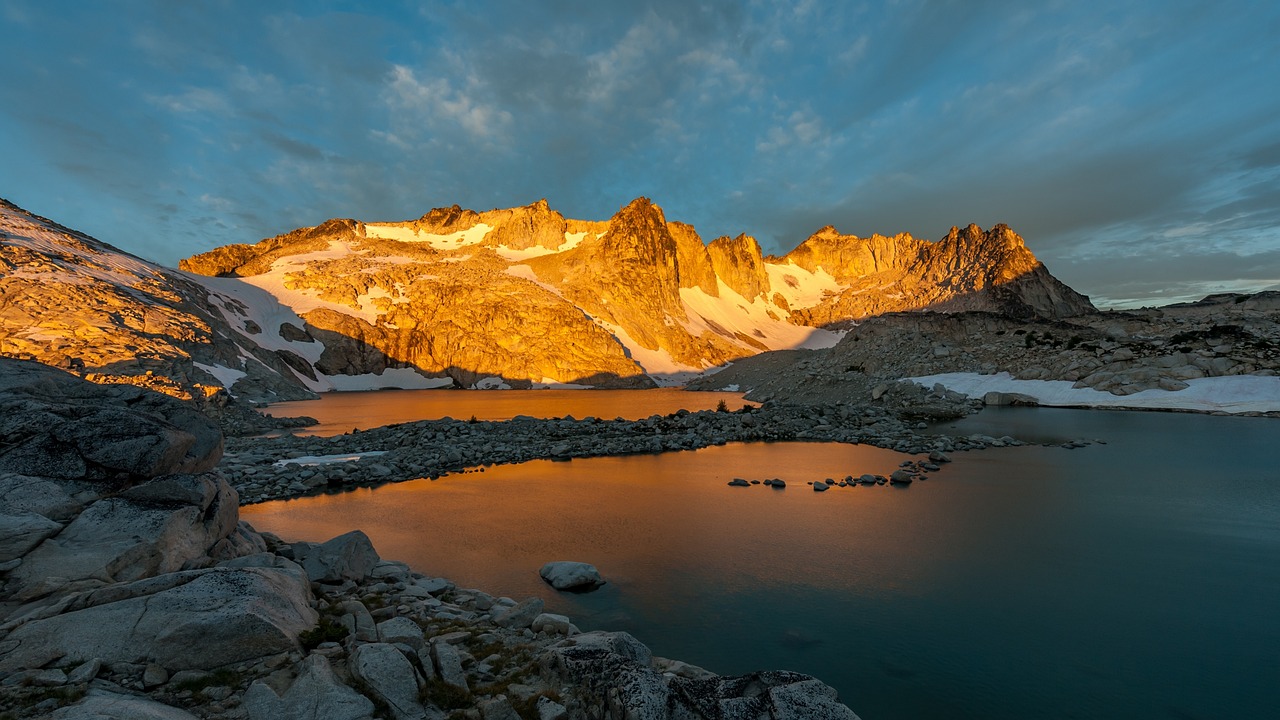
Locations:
(722, 406)
(444, 696)
(326, 630)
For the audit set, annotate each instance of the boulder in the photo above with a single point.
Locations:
(315, 695)
(574, 576)
(191, 620)
(346, 557)
(21, 532)
(59, 426)
(121, 539)
(619, 643)
(389, 677)
(101, 704)
(1009, 398)
(449, 665)
(551, 623)
(518, 617)
(400, 629)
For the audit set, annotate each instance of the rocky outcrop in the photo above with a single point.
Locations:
(74, 302)
(739, 264)
(968, 269)
(1119, 352)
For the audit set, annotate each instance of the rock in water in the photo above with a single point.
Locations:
(573, 576)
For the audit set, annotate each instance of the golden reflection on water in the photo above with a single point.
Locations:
(340, 412)
(642, 519)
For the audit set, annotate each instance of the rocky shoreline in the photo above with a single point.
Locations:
(272, 468)
(132, 590)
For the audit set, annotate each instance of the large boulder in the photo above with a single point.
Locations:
(59, 426)
(158, 527)
(190, 620)
(346, 557)
(99, 704)
(572, 576)
(315, 695)
(390, 677)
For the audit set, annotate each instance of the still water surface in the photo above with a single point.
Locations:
(1135, 579)
(341, 412)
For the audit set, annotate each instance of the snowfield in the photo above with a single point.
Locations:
(1231, 394)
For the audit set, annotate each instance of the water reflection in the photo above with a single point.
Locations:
(1135, 579)
(340, 412)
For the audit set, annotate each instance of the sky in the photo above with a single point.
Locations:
(1134, 145)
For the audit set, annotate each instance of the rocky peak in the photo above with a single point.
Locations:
(739, 264)
(520, 228)
(442, 221)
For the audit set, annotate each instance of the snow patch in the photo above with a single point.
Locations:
(308, 460)
(225, 375)
(547, 383)
(491, 383)
(733, 313)
(1231, 394)
(452, 241)
(801, 288)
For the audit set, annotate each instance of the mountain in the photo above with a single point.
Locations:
(526, 297)
(71, 301)
(519, 297)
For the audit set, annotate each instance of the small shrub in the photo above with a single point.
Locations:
(722, 406)
(327, 630)
(444, 696)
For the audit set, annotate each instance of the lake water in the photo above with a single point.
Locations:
(341, 412)
(1135, 579)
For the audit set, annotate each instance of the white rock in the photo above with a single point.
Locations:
(346, 557)
(551, 623)
(400, 629)
(566, 575)
(519, 617)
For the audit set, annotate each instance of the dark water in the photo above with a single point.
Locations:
(1135, 579)
(340, 412)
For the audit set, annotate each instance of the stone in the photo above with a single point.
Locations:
(389, 676)
(402, 630)
(100, 704)
(189, 620)
(739, 482)
(820, 487)
(901, 477)
(22, 532)
(549, 709)
(1006, 398)
(575, 576)
(619, 643)
(154, 675)
(448, 664)
(85, 672)
(316, 694)
(347, 557)
(497, 708)
(520, 616)
(551, 623)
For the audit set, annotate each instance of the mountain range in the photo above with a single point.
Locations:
(519, 297)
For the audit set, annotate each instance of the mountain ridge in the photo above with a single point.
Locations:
(525, 297)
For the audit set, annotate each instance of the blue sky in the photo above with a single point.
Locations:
(1135, 145)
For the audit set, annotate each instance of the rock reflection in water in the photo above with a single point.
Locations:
(341, 412)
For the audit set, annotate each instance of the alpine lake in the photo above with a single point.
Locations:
(1136, 577)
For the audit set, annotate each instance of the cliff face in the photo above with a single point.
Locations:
(739, 264)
